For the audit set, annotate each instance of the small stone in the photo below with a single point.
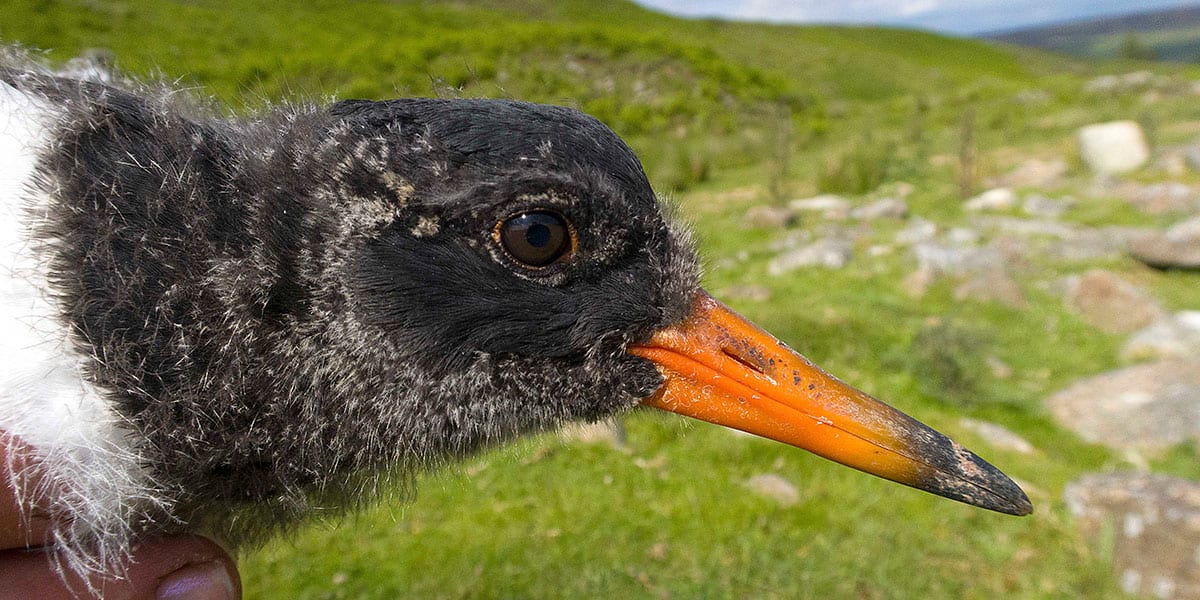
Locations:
(1143, 407)
(828, 205)
(1025, 227)
(877, 250)
(1113, 148)
(963, 236)
(957, 259)
(998, 199)
(769, 217)
(1036, 205)
(992, 285)
(790, 240)
(828, 253)
(887, 208)
(1160, 198)
(1177, 336)
(1088, 244)
(1186, 231)
(1176, 248)
(1110, 303)
(918, 230)
(775, 487)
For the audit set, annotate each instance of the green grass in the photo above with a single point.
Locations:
(703, 103)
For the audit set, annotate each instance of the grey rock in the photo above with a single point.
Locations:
(1086, 243)
(1113, 148)
(1143, 407)
(775, 487)
(827, 205)
(956, 259)
(829, 253)
(1177, 336)
(1153, 525)
(1024, 227)
(1111, 304)
(918, 230)
(769, 217)
(1185, 231)
(1035, 173)
(1064, 241)
(1160, 198)
(992, 285)
(1037, 205)
(996, 199)
(964, 236)
(983, 270)
(886, 208)
(877, 250)
(1176, 248)
(790, 240)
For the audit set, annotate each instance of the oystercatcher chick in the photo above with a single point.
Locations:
(228, 325)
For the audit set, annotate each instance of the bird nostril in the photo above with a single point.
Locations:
(748, 362)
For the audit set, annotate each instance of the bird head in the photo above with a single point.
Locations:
(520, 258)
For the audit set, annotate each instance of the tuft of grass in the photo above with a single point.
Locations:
(949, 359)
(859, 169)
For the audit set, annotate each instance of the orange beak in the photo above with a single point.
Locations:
(723, 369)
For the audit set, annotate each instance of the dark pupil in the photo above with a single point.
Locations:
(538, 235)
(536, 239)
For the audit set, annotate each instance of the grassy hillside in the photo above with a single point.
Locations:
(725, 116)
(690, 96)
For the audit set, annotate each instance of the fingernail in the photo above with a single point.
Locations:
(207, 581)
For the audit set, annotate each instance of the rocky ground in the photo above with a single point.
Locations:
(1008, 235)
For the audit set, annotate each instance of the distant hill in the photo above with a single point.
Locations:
(1167, 34)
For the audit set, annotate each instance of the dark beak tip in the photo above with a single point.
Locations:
(975, 481)
(1017, 503)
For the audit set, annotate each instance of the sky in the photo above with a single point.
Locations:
(959, 17)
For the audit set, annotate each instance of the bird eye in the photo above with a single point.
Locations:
(536, 239)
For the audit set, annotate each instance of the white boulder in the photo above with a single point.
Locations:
(1112, 148)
